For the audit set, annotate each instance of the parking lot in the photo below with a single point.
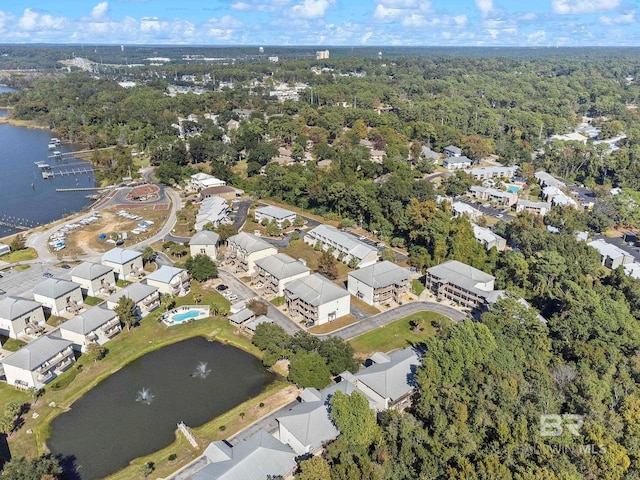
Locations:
(21, 282)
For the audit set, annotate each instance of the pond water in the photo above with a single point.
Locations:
(135, 411)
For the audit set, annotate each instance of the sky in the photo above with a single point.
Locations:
(323, 22)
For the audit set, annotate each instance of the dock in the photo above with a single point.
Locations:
(52, 171)
(79, 189)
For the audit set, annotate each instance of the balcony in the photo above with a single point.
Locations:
(112, 331)
(110, 324)
(45, 377)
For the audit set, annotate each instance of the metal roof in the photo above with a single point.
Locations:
(282, 266)
(460, 274)
(165, 274)
(54, 288)
(34, 354)
(353, 247)
(136, 292)
(315, 290)
(90, 270)
(205, 237)
(15, 307)
(275, 212)
(88, 321)
(120, 256)
(249, 242)
(381, 274)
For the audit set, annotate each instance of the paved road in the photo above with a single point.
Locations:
(397, 313)
(241, 213)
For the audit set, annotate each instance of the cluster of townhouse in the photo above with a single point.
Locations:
(304, 429)
(47, 355)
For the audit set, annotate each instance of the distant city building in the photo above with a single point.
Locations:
(322, 54)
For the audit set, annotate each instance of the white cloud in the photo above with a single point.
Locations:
(311, 8)
(537, 36)
(242, 6)
(100, 11)
(623, 19)
(31, 20)
(365, 38)
(485, 6)
(576, 7)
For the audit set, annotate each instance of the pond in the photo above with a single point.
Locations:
(136, 410)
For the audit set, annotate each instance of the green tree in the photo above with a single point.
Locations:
(273, 230)
(314, 468)
(167, 301)
(18, 243)
(458, 183)
(388, 255)
(355, 419)
(225, 231)
(339, 355)
(308, 369)
(96, 352)
(46, 467)
(201, 267)
(127, 311)
(148, 255)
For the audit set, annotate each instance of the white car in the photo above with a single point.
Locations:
(232, 298)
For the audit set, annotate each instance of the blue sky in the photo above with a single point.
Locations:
(323, 22)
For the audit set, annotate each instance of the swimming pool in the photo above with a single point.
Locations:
(185, 314)
(513, 188)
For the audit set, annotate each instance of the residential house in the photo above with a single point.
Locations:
(246, 249)
(460, 208)
(252, 324)
(317, 299)
(213, 210)
(277, 214)
(547, 180)
(456, 163)
(38, 362)
(308, 426)
(125, 263)
(224, 191)
(145, 297)
(200, 181)
(260, 456)
(489, 173)
(171, 280)
(381, 282)
(538, 208)
(452, 151)
(58, 295)
(462, 284)
(205, 242)
(96, 325)
(276, 271)
(240, 318)
(558, 197)
(94, 278)
(232, 125)
(500, 197)
(346, 248)
(632, 269)
(488, 239)
(20, 316)
(611, 255)
(430, 155)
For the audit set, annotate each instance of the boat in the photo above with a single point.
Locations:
(52, 146)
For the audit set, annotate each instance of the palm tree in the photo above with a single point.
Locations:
(167, 301)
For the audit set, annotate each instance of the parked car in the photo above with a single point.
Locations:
(222, 287)
(47, 274)
(232, 298)
(66, 266)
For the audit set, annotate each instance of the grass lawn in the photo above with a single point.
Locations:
(299, 249)
(22, 267)
(278, 301)
(92, 301)
(20, 255)
(183, 224)
(397, 334)
(334, 325)
(55, 321)
(12, 344)
(147, 336)
(365, 307)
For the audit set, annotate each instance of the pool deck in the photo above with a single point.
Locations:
(203, 312)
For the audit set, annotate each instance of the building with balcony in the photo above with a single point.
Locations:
(145, 297)
(379, 283)
(611, 255)
(316, 299)
(260, 456)
(547, 180)
(276, 271)
(58, 295)
(489, 173)
(39, 362)
(457, 163)
(124, 262)
(205, 242)
(462, 284)
(345, 247)
(452, 151)
(460, 208)
(96, 325)
(245, 249)
(94, 278)
(488, 239)
(508, 199)
(20, 316)
(537, 208)
(277, 214)
(200, 181)
(171, 280)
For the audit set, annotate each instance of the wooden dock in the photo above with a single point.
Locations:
(79, 189)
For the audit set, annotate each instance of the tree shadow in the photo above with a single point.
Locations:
(70, 471)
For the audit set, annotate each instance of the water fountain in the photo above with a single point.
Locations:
(201, 370)
(145, 396)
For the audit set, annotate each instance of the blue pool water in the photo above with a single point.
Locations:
(181, 317)
(513, 188)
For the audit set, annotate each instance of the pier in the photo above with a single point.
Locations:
(79, 189)
(16, 223)
(52, 171)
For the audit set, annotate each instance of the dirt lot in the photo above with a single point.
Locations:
(88, 236)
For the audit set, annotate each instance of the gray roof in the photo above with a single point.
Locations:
(315, 290)
(354, 247)
(428, 153)
(15, 307)
(242, 316)
(393, 376)
(282, 266)
(310, 423)
(381, 274)
(90, 270)
(34, 354)
(249, 242)
(54, 288)
(461, 274)
(165, 273)
(254, 458)
(88, 321)
(205, 237)
(530, 204)
(275, 212)
(461, 159)
(252, 324)
(120, 256)
(136, 292)
(453, 148)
